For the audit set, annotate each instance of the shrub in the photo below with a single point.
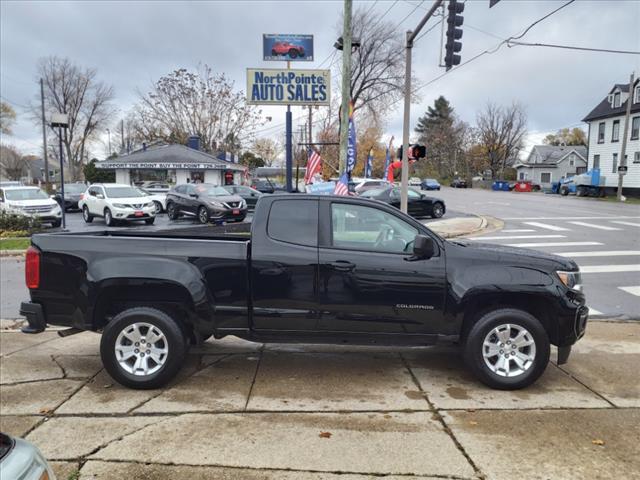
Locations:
(11, 222)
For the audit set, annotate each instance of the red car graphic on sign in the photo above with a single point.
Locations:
(286, 48)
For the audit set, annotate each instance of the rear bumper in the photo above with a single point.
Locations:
(34, 314)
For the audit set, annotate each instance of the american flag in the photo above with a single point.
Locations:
(314, 165)
(342, 186)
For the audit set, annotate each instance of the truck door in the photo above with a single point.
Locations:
(367, 281)
(284, 266)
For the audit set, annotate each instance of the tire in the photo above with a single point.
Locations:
(158, 206)
(172, 211)
(56, 224)
(564, 191)
(437, 211)
(108, 218)
(488, 369)
(149, 221)
(203, 215)
(86, 216)
(163, 365)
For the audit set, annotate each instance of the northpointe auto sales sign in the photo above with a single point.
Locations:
(269, 86)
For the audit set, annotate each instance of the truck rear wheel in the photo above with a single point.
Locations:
(507, 349)
(143, 348)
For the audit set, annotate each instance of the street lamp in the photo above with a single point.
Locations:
(61, 120)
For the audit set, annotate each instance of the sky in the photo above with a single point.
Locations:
(133, 43)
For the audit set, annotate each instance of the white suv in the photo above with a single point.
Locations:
(116, 202)
(30, 201)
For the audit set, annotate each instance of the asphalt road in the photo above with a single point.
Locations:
(602, 237)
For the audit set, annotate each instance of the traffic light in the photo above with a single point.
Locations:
(416, 152)
(454, 20)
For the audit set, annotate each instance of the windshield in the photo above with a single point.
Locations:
(25, 194)
(123, 192)
(74, 188)
(211, 191)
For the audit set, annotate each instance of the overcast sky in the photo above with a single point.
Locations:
(132, 44)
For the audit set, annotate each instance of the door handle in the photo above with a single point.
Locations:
(341, 265)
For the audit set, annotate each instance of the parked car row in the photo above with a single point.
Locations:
(21, 200)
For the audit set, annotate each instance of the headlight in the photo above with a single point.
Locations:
(150, 204)
(120, 205)
(56, 208)
(572, 280)
(243, 203)
(216, 204)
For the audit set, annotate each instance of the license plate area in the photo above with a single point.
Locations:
(138, 214)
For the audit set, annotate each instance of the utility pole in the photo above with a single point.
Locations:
(309, 134)
(411, 36)
(122, 135)
(623, 149)
(346, 86)
(44, 138)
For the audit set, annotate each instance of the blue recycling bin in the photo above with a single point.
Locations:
(500, 186)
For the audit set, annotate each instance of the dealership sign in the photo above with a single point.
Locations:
(267, 86)
(282, 47)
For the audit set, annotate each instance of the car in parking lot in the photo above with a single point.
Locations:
(248, 194)
(267, 186)
(369, 184)
(158, 199)
(72, 194)
(21, 460)
(458, 183)
(155, 186)
(419, 204)
(116, 203)
(430, 184)
(414, 182)
(205, 202)
(30, 201)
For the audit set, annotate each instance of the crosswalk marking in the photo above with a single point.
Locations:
(516, 237)
(553, 244)
(632, 290)
(591, 225)
(625, 223)
(593, 311)
(571, 218)
(518, 230)
(603, 253)
(610, 268)
(547, 226)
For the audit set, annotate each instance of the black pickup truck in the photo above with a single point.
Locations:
(312, 269)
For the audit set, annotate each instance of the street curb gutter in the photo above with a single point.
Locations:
(12, 253)
(462, 227)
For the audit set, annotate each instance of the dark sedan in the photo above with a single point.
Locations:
(205, 202)
(250, 195)
(429, 184)
(459, 183)
(72, 194)
(419, 205)
(267, 186)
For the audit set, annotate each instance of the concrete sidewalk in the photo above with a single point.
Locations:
(241, 410)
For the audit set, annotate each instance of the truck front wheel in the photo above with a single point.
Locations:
(507, 349)
(143, 348)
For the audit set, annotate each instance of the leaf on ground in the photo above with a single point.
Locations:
(597, 441)
(325, 435)
(46, 411)
(473, 422)
(108, 385)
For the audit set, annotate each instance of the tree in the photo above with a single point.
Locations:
(501, 131)
(437, 130)
(268, 150)
(97, 175)
(249, 160)
(377, 66)
(202, 103)
(7, 118)
(564, 136)
(76, 91)
(14, 165)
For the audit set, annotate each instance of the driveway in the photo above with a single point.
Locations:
(241, 410)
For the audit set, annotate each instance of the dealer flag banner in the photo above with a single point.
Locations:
(270, 86)
(351, 147)
(368, 169)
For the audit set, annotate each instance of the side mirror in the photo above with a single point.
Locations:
(423, 247)
(193, 195)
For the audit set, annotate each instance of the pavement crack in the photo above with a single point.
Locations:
(598, 394)
(255, 375)
(55, 360)
(441, 420)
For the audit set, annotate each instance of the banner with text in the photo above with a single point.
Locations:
(270, 86)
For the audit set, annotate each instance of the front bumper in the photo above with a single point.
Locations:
(130, 213)
(34, 314)
(227, 214)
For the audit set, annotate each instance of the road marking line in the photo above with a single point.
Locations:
(593, 311)
(518, 230)
(632, 290)
(553, 244)
(547, 226)
(516, 237)
(610, 268)
(570, 218)
(609, 253)
(626, 223)
(591, 225)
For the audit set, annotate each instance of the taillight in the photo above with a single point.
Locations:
(82, 196)
(32, 268)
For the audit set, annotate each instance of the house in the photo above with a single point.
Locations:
(174, 163)
(547, 164)
(606, 131)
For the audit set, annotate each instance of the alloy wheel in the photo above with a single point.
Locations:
(509, 350)
(141, 349)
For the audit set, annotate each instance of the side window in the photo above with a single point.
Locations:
(357, 227)
(294, 221)
(190, 189)
(100, 190)
(1, 195)
(395, 193)
(93, 191)
(181, 189)
(413, 194)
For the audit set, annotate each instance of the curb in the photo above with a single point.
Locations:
(12, 253)
(487, 225)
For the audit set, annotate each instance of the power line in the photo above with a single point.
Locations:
(409, 14)
(541, 19)
(511, 43)
(375, 24)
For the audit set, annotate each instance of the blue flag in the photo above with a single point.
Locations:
(351, 149)
(368, 170)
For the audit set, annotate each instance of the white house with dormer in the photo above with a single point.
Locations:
(606, 130)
